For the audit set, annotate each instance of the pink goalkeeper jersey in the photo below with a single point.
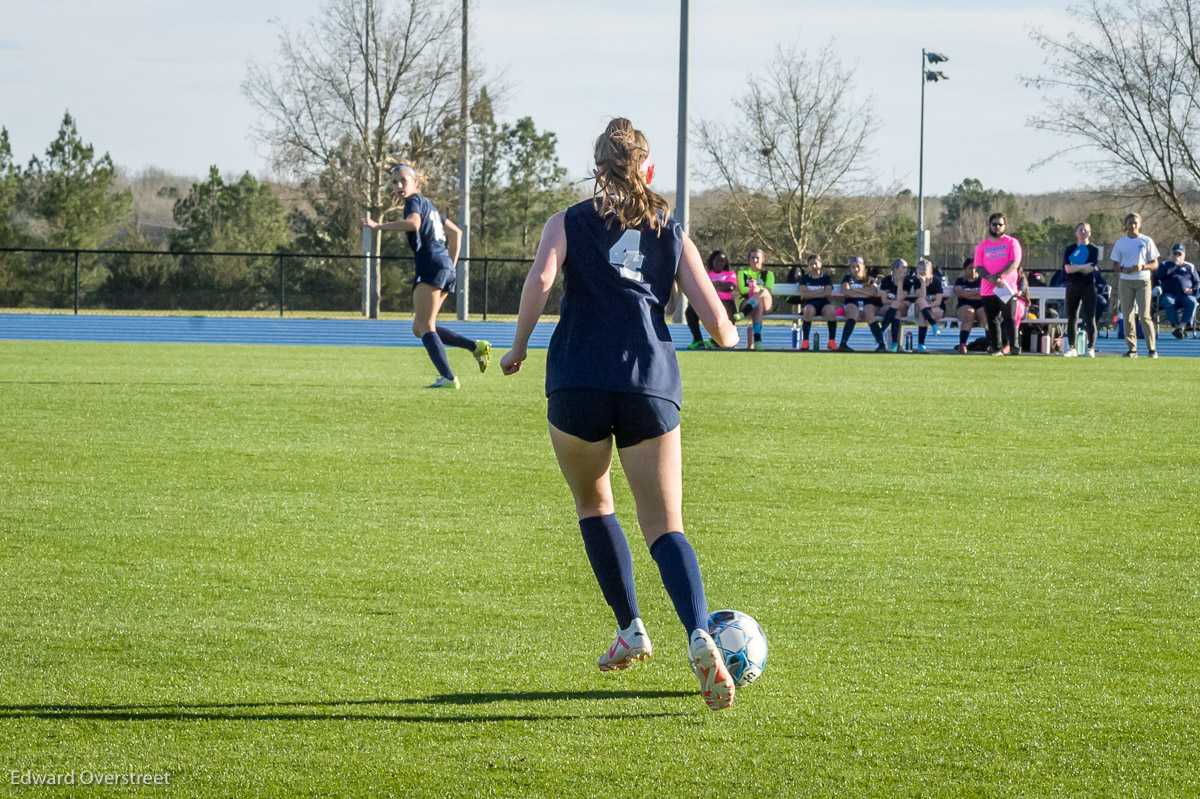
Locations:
(991, 256)
(725, 283)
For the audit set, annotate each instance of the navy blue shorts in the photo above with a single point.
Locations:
(442, 278)
(818, 304)
(595, 415)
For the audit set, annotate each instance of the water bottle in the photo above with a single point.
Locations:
(908, 341)
(816, 342)
(796, 335)
(1081, 341)
(753, 286)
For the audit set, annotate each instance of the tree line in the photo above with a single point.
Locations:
(71, 198)
(368, 83)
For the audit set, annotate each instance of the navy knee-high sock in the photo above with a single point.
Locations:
(963, 335)
(612, 562)
(681, 576)
(876, 331)
(928, 314)
(832, 329)
(452, 339)
(921, 331)
(807, 329)
(437, 354)
(847, 329)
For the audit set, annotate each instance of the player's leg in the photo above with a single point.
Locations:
(807, 313)
(870, 312)
(829, 314)
(966, 320)
(586, 466)
(693, 323)
(851, 313)
(427, 301)
(654, 470)
(762, 306)
(481, 350)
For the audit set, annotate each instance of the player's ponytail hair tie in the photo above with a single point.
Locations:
(623, 172)
(646, 169)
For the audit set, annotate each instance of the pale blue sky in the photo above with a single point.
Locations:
(157, 82)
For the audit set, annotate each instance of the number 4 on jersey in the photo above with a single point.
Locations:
(626, 256)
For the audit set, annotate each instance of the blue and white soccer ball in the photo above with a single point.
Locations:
(742, 642)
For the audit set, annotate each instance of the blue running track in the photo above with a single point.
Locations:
(378, 333)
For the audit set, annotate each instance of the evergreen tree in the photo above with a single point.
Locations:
(245, 216)
(73, 203)
(12, 265)
(73, 192)
(535, 179)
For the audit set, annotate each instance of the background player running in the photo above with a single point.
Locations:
(428, 234)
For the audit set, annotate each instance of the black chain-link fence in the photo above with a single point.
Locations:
(234, 282)
(239, 282)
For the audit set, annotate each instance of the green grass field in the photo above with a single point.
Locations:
(292, 571)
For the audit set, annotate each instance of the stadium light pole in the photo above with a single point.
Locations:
(464, 180)
(682, 209)
(927, 76)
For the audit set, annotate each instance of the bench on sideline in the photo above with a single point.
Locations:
(1037, 294)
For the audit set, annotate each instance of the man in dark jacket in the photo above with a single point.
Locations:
(1180, 284)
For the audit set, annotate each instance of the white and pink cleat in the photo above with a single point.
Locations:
(716, 684)
(632, 644)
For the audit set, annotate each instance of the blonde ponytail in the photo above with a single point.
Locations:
(621, 189)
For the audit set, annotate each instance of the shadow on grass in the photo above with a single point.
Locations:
(329, 710)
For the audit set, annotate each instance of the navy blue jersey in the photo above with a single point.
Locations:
(816, 283)
(611, 333)
(851, 283)
(429, 242)
(933, 291)
(887, 286)
(969, 285)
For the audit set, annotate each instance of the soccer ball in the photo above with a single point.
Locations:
(742, 642)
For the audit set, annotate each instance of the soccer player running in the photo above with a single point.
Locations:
(997, 258)
(428, 234)
(611, 372)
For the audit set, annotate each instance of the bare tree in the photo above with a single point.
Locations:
(366, 83)
(799, 145)
(1124, 85)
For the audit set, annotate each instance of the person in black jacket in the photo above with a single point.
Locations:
(1080, 261)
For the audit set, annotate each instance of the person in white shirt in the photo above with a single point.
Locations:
(1136, 258)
